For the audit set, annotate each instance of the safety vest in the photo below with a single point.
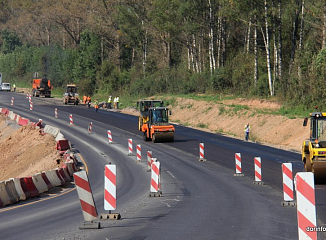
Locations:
(96, 104)
(247, 128)
(109, 100)
(117, 99)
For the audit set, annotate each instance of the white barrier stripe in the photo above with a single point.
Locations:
(85, 195)
(110, 187)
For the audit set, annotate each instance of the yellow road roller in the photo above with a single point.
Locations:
(314, 150)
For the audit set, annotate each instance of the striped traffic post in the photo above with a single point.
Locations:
(86, 200)
(149, 159)
(110, 192)
(12, 101)
(129, 147)
(110, 136)
(201, 152)
(238, 170)
(90, 127)
(155, 189)
(258, 174)
(30, 98)
(55, 113)
(306, 206)
(71, 120)
(31, 106)
(138, 158)
(288, 194)
(27, 94)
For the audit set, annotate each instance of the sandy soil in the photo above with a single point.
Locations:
(24, 151)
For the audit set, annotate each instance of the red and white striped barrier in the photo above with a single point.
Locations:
(27, 95)
(155, 188)
(71, 120)
(55, 113)
(238, 170)
(85, 196)
(30, 98)
(287, 184)
(202, 152)
(110, 191)
(138, 158)
(306, 206)
(129, 146)
(90, 127)
(12, 101)
(149, 159)
(110, 136)
(31, 106)
(258, 171)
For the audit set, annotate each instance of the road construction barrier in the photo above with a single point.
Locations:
(23, 121)
(39, 183)
(11, 190)
(202, 152)
(59, 137)
(71, 120)
(54, 131)
(66, 172)
(129, 146)
(138, 157)
(110, 136)
(11, 115)
(63, 145)
(71, 168)
(31, 106)
(69, 172)
(258, 175)
(90, 127)
(12, 101)
(54, 178)
(5, 111)
(238, 170)
(30, 98)
(4, 196)
(155, 189)
(149, 159)
(306, 206)
(288, 194)
(55, 113)
(19, 189)
(30, 187)
(60, 177)
(46, 180)
(27, 95)
(85, 196)
(110, 187)
(63, 175)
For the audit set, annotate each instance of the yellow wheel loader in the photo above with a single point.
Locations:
(153, 121)
(314, 150)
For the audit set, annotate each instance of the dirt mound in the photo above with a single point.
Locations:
(25, 151)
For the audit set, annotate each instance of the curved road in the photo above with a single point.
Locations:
(201, 200)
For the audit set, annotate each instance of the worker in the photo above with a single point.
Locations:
(14, 86)
(247, 130)
(89, 100)
(108, 106)
(85, 99)
(96, 105)
(117, 102)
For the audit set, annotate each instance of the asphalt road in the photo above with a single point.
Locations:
(201, 200)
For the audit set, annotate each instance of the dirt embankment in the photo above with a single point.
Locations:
(230, 116)
(24, 151)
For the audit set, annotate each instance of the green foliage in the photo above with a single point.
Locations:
(10, 41)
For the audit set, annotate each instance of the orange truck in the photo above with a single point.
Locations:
(41, 87)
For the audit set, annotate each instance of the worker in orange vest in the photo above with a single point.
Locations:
(89, 100)
(96, 105)
(84, 99)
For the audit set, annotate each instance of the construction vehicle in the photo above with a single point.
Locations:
(153, 121)
(314, 149)
(71, 95)
(41, 87)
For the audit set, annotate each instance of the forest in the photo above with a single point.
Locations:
(268, 48)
